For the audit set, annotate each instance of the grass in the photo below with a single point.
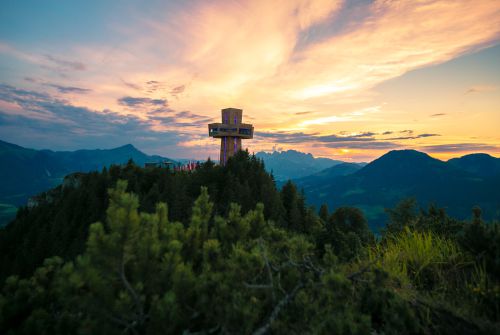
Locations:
(419, 258)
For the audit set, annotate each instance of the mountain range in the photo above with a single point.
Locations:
(26, 172)
(292, 164)
(458, 184)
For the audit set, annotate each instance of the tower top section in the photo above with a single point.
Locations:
(231, 115)
(231, 125)
(231, 131)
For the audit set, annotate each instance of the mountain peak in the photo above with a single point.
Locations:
(402, 163)
(291, 164)
(10, 146)
(406, 154)
(128, 147)
(479, 155)
(480, 164)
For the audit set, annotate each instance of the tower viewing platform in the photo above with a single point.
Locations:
(231, 131)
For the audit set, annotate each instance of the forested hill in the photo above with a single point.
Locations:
(26, 172)
(59, 224)
(220, 250)
(458, 184)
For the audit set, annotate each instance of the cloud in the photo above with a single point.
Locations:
(131, 85)
(54, 123)
(65, 64)
(387, 43)
(412, 137)
(427, 135)
(438, 114)
(280, 60)
(60, 88)
(47, 121)
(369, 145)
(365, 134)
(155, 86)
(8, 49)
(480, 89)
(345, 117)
(361, 141)
(300, 137)
(70, 89)
(461, 147)
(178, 90)
(169, 120)
(193, 116)
(134, 102)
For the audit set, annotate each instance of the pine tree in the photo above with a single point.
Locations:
(323, 212)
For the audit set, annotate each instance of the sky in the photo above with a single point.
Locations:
(347, 80)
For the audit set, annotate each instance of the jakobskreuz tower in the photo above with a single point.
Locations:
(231, 131)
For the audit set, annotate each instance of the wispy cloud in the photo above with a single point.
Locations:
(65, 64)
(412, 137)
(70, 89)
(304, 113)
(58, 87)
(36, 116)
(341, 118)
(343, 139)
(364, 141)
(178, 90)
(131, 85)
(461, 147)
(53, 62)
(134, 102)
(481, 88)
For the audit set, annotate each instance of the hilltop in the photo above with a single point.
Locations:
(132, 250)
(26, 172)
(458, 184)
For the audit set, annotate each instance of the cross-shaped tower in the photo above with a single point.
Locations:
(230, 132)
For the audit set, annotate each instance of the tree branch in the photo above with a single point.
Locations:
(268, 267)
(130, 289)
(258, 286)
(277, 309)
(353, 276)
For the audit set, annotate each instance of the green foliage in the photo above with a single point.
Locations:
(483, 240)
(149, 266)
(323, 212)
(60, 227)
(404, 214)
(422, 258)
(434, 219)
(347, 232)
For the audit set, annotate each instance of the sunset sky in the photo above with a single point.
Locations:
(347, 80)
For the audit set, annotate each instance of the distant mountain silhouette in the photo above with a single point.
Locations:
(26, 172)
(293, 164)
(88, 160)
(401, 174)
(457, 184)
(479, 164)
